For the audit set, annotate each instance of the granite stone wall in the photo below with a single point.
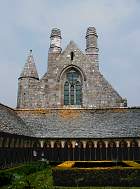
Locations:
(49, 90)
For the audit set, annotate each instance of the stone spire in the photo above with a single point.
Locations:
(29, 70)
(91, 44)
(55, 43)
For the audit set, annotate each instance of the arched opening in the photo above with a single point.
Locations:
(112, 151)
(68, 151)
(133, 150)
(90, 151)
(73, 88)
(47, 150)
(101, 151)
(56, 155)
(133, 144)
(123, 151)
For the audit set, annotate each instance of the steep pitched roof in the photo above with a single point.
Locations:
(29, 69)
(83, 123)
(11, 123)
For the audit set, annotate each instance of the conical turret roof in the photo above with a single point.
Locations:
(29, 69)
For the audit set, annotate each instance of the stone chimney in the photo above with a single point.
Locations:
(55, 43)
(91, 45)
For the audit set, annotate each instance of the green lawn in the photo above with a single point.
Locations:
(41, 180)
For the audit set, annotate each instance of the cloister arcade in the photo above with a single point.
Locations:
(15, 149)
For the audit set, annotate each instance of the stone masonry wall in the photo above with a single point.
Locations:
(97, 92)
(49, 90)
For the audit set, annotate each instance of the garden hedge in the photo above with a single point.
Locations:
(115, 176)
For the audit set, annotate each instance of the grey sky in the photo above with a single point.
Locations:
(26, 24)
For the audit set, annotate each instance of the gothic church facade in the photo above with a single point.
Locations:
(71, 113)
(73, 78)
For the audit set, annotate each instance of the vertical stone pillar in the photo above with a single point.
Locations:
(62, 143)
(84, 148)
(95, 144)
(17, 143)
(128, 143)
(138, 143)
(128, 148)
(73, 143)
(12, 143)
(7, 142)
(117, 144)
(41, 143)
(106, 148)
(84, 143)
(106, 144)
(1, 141)
(52, 143)
(21, 143)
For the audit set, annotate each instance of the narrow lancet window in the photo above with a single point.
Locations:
(72, 55)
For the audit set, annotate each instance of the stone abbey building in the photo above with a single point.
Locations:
(71, 113)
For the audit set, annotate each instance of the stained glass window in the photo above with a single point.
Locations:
(72, 89)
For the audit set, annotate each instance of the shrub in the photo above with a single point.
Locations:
(5, 179)
(99, 176)
(13, 174)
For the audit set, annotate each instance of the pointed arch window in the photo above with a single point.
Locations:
(73, 88)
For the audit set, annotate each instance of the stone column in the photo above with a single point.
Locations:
(1, 141)
(52, 143)
(73, 143)
(95, 144)
(7, 142)
(84, 147)
(117, 144)
(128, 148)
(12, 143)
(128, 143)
(106, 144)
(41, 143)
(17, 143)
(21, 143)
(62, 143)
(84, 143)
(138, 143)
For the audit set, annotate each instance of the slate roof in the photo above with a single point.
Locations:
(71, 123)
(83, 123)
(10, 122)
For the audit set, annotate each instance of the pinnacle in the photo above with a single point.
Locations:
(29, 69)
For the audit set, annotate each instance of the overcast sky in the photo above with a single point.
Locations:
(26, 24)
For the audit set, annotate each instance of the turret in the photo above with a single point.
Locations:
(29, 69)
(55, 41)
(26, 82)
(91, 45)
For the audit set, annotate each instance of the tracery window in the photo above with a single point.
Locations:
(72, 88)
